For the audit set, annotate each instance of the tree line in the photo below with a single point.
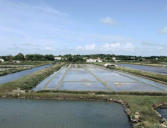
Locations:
(82, 58)
(28, 57)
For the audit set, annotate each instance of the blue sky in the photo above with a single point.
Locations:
(128, 27)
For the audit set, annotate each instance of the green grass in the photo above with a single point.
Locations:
(30, 81)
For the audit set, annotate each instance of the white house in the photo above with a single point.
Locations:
(99, 60)
(114, 59)
(93, 60)
(57, 58)
(2, 60)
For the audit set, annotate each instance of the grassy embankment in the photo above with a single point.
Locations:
(153, 76)
(30, 81)
(15, 69)
(162, 78)
(135, 103)
(27, 63)
(146, 64)
(12, 68)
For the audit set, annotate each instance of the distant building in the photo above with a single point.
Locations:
(2, 60)
(156, 58)
(133, 57)
(93, 60)
(57, 58)
(99, 60)
(114, 59)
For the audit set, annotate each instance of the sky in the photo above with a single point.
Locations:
(124, 27)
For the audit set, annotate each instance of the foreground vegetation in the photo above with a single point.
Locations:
(142, 104)
(30, 81)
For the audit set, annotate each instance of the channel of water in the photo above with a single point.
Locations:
(17, 75)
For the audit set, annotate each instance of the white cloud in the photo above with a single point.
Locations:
(129, 46)
(164, 30)
(111, 45)
(79, 48)
(49, 49)
(108, 20)
(115, 47)
(88, 47)
(118, 46)
(43, 8)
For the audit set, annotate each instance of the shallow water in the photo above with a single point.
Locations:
(163, 112)
(17, 113)
(120, 81)
(161, 70)
(94, 78)
(17, 75)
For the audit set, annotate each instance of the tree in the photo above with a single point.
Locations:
(49, 57)
(19, 56)
(7, 58)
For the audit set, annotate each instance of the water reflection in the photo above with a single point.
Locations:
(17, 113)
